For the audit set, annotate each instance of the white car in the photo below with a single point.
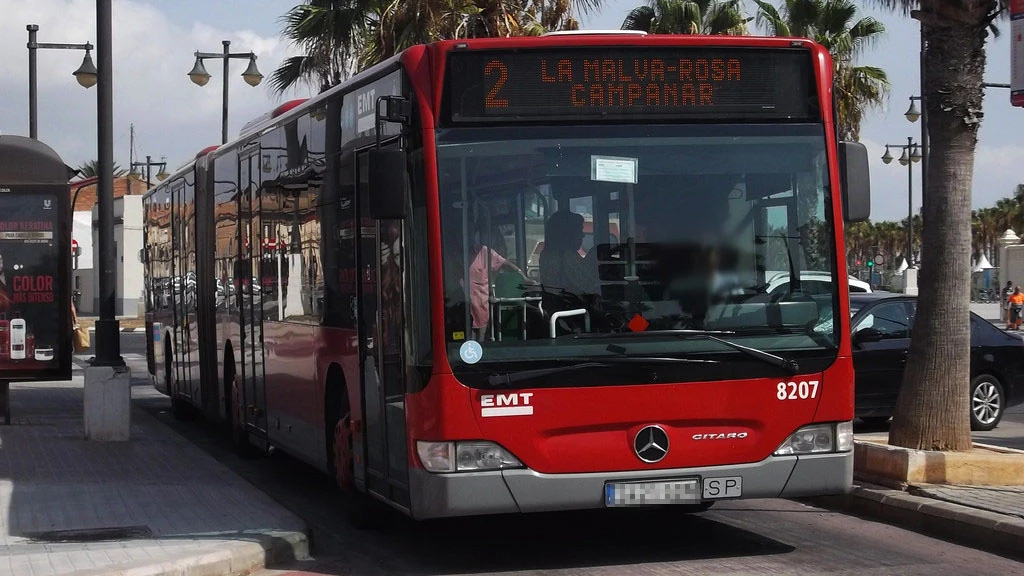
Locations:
(812, 282)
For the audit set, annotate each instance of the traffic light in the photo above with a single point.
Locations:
(871, 263)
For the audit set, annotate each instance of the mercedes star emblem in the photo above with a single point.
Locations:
(651, 444)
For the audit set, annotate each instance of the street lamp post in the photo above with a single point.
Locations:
(200, 77)
(161, 175)
(913, 114)
(86, 73)
(108, 337)
(911, 154)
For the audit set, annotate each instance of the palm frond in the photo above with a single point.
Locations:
(639, 18)
(724, 18)
(768, 17)
(835, 16)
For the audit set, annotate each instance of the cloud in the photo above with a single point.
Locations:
(151, 58)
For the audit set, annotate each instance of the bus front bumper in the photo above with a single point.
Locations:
(524, 490)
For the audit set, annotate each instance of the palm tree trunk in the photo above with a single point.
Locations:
(932, 410)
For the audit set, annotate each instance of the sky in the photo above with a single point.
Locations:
(154, 44)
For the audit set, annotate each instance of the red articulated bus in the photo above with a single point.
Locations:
(347, 280)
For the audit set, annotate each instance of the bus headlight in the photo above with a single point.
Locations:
(844, 436)
(814, 439)
(474, 456)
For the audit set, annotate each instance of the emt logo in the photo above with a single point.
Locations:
(514, 404)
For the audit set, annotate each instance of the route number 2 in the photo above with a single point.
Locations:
(496, 67)
(797, 390)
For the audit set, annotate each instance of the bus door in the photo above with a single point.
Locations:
(181, 342)
(381, 350)
(250, 288)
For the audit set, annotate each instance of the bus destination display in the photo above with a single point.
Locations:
(623, 83)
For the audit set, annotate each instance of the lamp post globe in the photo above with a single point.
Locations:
(86, 75)
(252, 74)
(199, 75)
(912, 113)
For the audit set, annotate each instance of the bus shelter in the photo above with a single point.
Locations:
(35, 266)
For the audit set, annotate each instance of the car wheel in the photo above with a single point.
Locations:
(987, 402)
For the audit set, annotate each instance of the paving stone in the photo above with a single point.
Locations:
(53, 480)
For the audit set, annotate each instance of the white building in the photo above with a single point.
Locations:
(127, 244)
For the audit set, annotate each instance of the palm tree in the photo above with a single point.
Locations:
(342, 36)
(330, 34)
(688, 17)
(833, 24)
(91, 168)
(932, 409)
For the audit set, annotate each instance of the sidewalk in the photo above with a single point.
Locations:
(985, 517)
(153, 505)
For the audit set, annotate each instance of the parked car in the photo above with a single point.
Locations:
(882, 325)
(811, 282)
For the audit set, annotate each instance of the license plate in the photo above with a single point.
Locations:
(728, 487)
(652, 493)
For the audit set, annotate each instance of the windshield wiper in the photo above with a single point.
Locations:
(509, 378)
(789, 365)
(785, 363)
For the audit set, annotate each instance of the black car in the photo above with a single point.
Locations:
(882, 325)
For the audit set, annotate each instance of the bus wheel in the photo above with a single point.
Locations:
(363, 511)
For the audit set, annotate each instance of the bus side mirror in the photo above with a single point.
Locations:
(388, 184)
(854, 181)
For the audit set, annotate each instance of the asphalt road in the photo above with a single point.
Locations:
(751, 537)
(133, 343)
(744, 537)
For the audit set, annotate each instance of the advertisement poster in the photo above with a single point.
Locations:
(31, 338)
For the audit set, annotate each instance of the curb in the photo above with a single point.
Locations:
(999, 533)
(262, 550)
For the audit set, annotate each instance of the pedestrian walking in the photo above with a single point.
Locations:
(1016, 302)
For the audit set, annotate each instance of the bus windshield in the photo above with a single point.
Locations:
(576, 239)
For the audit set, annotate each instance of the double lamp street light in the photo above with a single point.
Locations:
(919, 154)
(149, 164)
(911, 155)
(200, 77)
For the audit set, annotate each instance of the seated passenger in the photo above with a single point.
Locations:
(562, 267)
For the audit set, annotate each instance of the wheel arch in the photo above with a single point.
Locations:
(336, 402)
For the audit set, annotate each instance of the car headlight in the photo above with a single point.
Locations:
(470, 456)
(818, 439)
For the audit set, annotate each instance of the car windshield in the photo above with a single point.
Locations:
(575, 239)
